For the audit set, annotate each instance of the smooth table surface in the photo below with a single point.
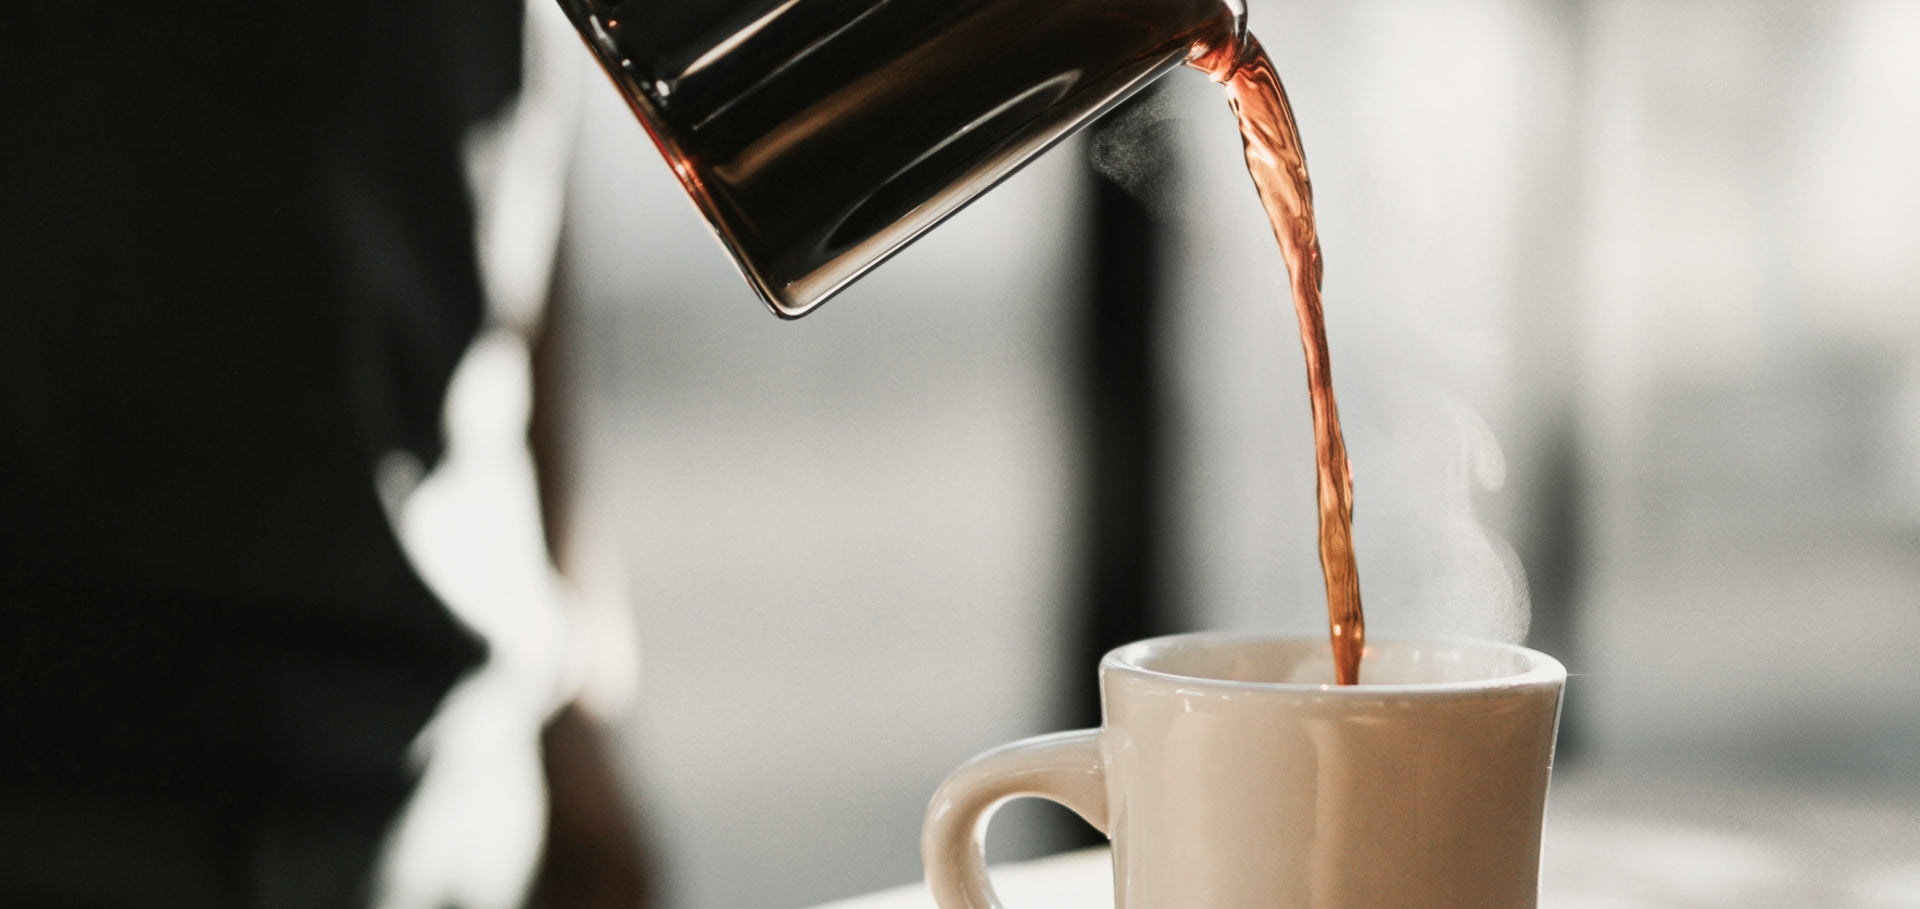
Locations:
(1072, 880)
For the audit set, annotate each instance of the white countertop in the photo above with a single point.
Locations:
(1071, 880)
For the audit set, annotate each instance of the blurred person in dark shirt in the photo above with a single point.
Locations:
(239, 275)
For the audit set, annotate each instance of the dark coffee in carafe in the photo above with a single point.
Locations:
(821, 136)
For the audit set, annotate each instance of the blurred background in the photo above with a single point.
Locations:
(1633, 285)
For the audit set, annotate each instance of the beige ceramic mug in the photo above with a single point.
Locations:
(1231, 772)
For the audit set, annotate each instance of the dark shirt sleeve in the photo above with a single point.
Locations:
(236, 268)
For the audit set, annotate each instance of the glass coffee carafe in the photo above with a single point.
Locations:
(818, 137)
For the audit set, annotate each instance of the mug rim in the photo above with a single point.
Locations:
(1540, 669)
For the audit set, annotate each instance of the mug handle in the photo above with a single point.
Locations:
(1065, 767)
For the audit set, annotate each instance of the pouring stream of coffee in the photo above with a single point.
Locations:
(1279, 170)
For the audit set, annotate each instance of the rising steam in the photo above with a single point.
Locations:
(1434, 566)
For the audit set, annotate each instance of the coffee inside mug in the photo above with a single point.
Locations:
(1212, 659)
